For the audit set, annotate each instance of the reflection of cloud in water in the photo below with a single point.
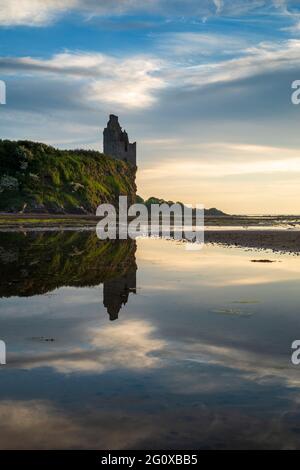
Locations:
(236, 312)
(129, 345)
(193, 380)
(37, 424)
(222, 267)
(132, 345)
(249, 281)
(245, 364)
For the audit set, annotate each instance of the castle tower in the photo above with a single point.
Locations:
(116, 293)
(116, 142)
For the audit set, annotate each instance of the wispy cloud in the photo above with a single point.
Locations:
(129, 82)
(219, 5)
(131, 345)
(257, 60)
(135, 81)
(33, 12)
(37, 13)
(199, 45)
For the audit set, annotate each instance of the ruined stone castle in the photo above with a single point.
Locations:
(116, 142)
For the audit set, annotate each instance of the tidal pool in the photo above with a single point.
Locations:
(145, 345)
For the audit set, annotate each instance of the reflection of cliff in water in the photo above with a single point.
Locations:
(35, 263)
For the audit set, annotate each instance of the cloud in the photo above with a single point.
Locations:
(290, 10)
(37, 13)
(134, 82)
(201, 45)
(128, 344)
(128, 82)
(257, 60)
(232, 159)
(161, 97)
(231, 169)
(218, 5)
(158, 421)
(33, 12)
(250, 364)
(280, 4)
(21, 422)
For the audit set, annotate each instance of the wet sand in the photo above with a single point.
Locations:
(287, 241)
(276, 233)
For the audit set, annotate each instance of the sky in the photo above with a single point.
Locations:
(203, 86)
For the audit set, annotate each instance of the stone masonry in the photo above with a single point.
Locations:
(116, 142)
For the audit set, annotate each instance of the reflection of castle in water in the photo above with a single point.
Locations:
(37, 263)
(116, 293)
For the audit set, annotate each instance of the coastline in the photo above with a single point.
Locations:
(275, 233)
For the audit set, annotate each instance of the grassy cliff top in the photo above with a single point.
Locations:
(35, 177)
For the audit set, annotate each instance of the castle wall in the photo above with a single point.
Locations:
(116, 142)
(116, 293)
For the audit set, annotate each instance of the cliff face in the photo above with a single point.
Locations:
(37, 178)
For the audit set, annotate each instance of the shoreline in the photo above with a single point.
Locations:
(243, 221)
(275, 233)
(277, 240)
